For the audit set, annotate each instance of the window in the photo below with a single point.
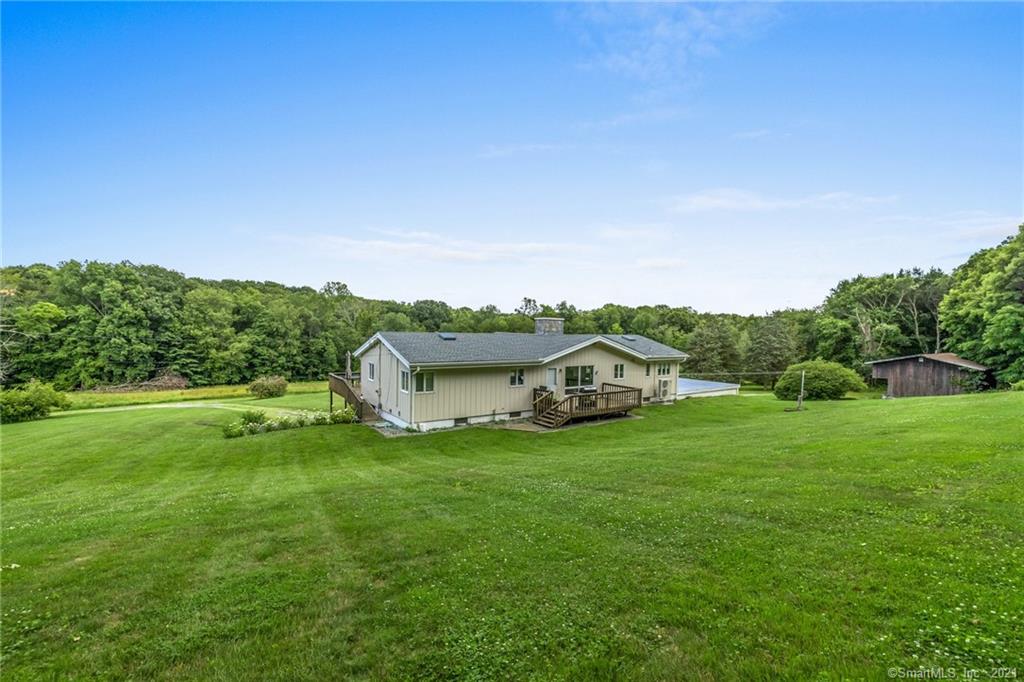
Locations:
(579, 376)
(404, 385)
(647, 371)
(664, 369)
(517, 377)
(371, 373)
(620, 371)
(425, 382)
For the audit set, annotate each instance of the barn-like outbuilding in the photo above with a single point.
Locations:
(929, 374)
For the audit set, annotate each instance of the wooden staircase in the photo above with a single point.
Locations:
(611, 399)
(339, 384)
(552, 418)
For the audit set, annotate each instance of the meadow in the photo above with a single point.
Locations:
(81, 400)
(713, 539)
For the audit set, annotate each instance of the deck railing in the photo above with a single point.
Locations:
(612, 398)
(347, 390)
(543, 400)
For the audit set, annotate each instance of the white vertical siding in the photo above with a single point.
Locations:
(385, 390)
(463, 393)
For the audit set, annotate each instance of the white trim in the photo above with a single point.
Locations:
(471, 421)
(433, 381)
(384, 342)
(404, 373)
(371, 371)
(566, 388)
(366, 345)
(591, 342)
(520, 375)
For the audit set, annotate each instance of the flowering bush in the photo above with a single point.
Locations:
(256, 421)
(254, 417)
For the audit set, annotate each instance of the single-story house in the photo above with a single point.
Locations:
(697, 388)
(928, 374)
(429, 380)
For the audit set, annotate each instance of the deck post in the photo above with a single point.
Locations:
(348, 366)
(330, 407)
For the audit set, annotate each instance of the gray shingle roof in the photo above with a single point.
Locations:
(429, 348)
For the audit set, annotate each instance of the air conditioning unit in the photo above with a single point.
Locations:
(664, 388)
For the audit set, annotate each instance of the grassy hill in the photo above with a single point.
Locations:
(719, 538)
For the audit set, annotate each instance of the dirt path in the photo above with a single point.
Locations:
(189, 403)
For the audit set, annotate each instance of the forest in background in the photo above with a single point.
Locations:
(90, 324)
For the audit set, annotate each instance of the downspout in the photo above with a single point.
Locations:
(412, 395)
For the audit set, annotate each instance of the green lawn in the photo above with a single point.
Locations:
(715, 539)
(81, 400)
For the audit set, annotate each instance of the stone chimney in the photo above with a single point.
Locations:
(548, 325)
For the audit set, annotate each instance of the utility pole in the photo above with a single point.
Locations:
(800, 398)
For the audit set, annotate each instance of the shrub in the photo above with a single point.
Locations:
(822, 381)
(234, 430)
(256, 421)
(33, 401)
(254, 417)
(1017, 385)
(345, 415)
(269, 387)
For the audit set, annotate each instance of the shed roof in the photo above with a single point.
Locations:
(948, 358)
(431, 348)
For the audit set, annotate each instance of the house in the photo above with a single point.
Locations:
(696, 388)
(928, 374)
(428, 380)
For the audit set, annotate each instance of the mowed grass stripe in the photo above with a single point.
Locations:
(716, 538)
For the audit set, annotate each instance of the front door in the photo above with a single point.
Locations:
(552, 381)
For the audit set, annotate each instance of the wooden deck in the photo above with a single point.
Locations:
(610, 399)
(350, 390)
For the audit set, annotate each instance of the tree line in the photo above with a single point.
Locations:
(87, 324)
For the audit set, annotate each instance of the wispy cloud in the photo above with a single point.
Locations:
(424, 246)
(631, 232)
(663, 263)
(649, 115)
(658, 42)
(497, 151)
(732, 199)
(965, 226)
(417, 235)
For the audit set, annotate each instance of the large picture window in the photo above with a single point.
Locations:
(517, 377)
(579, 376)
(425, 382)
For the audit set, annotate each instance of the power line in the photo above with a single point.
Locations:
(718, 374)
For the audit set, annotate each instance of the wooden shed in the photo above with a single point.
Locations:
(928, 374)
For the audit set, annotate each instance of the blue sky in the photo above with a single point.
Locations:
(731, 157)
